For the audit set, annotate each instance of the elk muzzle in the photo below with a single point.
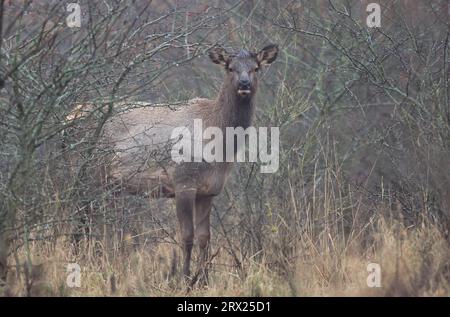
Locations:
(244, 85)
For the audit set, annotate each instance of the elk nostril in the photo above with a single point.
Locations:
(244, 83)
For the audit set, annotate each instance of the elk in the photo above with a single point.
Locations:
(141, 140)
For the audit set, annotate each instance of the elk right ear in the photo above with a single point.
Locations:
(219, 56)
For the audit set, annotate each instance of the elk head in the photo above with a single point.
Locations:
(241, 67)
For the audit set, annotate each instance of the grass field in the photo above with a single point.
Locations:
(413, 261)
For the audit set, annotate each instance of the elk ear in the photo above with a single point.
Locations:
(267, 55)
(219, 56)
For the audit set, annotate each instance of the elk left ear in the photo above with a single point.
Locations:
(267, 55)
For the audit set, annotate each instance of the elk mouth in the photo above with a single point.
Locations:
(244, 92)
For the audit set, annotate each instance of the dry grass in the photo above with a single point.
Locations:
(414, 262)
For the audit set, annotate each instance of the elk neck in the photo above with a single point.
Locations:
(231, 110)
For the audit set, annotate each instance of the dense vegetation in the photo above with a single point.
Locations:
(364, 118)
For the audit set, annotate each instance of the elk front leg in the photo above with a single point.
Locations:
(202, 231)
(185, 207)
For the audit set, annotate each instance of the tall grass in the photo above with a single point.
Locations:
(320, 255)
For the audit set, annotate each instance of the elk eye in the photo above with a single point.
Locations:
(230, 69)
